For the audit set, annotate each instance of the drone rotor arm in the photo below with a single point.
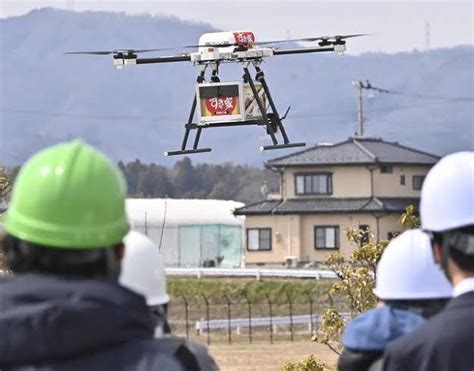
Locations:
(165, 59)
(303, 50)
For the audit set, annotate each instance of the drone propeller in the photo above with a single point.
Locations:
(118, 51)
(326, 40)
(323, 41)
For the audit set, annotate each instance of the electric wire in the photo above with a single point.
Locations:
(168, 119)
(416, 96)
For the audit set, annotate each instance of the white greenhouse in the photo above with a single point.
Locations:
(190, 233)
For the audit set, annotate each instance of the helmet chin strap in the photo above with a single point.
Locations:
(113, 264)
(444, 260)
(443, 264)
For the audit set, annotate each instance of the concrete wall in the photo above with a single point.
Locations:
(301, 231)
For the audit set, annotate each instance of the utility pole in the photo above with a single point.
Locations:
(359, 85)
(427, 36)
(70, 5)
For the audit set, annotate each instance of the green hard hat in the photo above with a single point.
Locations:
(68, 196)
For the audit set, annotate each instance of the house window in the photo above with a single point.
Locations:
(402, 179)
(313, 184)
(326, 237)
(259, 239)
(386, 169)
(364, 234)
(418, 182)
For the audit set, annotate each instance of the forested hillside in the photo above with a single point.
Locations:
(186, 180)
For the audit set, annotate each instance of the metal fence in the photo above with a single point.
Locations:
(250, 272)
(240, 319)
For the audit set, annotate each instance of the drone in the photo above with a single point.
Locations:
(230, 103)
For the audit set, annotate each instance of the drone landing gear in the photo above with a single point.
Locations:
(271, 120)
(188, 127)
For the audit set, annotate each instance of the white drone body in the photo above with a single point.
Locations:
(236, 45)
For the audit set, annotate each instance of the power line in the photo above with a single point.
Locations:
(168, 119)
(368, 86)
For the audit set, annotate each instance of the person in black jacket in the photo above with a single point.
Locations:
(143, 272)
(61, 307)
(446, 341)
(411, 288)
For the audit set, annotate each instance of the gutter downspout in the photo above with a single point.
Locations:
(377, 218)
(289, 235)
(371, 169)
(282, 183)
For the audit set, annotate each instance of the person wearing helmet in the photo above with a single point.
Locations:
(62, 307)
(410, 287)
(446, 341)
(143, 272)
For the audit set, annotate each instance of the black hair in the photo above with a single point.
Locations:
(463, 260)
(27, 257)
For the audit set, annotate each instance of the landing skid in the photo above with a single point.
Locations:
(271, 120)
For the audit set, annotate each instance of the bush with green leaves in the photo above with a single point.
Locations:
(308, 364)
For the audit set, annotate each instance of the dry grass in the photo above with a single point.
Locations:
(267, 357)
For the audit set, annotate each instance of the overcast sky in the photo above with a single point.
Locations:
(394, 25)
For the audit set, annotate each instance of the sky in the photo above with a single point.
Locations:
(394, 26)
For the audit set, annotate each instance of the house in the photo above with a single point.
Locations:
(361, 183)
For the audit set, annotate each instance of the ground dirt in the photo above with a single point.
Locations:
(267, 357)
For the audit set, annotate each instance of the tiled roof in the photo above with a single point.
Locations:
(262, 207)
(328, 205)
(356, 151)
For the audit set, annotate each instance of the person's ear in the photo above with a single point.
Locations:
(437, 252)
(120, 251)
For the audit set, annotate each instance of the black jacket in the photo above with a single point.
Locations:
(444, 342)
(53, 323)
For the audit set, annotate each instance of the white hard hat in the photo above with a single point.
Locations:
(447, 195)
(407, 270)
(143, 270)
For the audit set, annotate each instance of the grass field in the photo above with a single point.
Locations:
(235, 288)
(267, 357)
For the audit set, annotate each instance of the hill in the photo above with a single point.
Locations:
(47, 97)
